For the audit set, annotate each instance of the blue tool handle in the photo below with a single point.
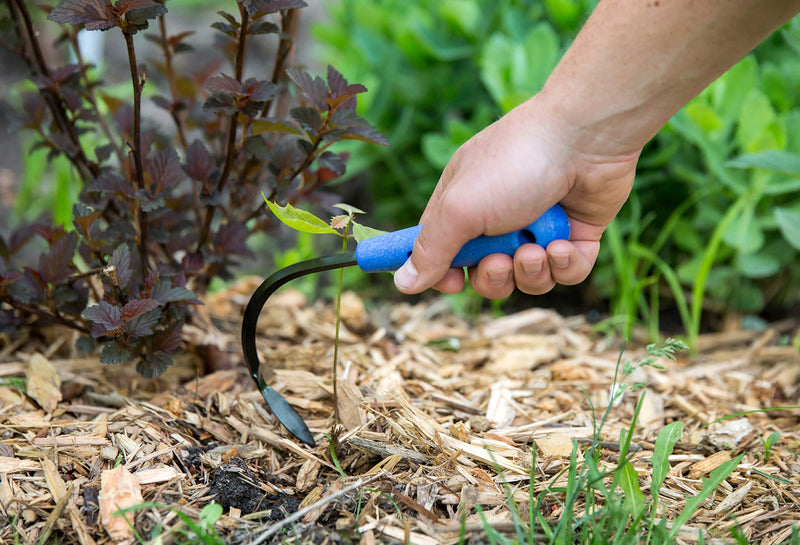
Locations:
(388, 252)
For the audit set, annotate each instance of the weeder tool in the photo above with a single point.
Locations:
(383, 253)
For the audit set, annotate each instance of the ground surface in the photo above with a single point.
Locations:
(430, 405)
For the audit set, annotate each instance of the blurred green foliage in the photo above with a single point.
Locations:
(713, 223)
(438, 72)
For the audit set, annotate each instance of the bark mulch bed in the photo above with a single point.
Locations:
(430, 407)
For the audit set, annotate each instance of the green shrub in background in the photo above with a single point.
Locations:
(714, 212)
(712, 224)
(441, 71)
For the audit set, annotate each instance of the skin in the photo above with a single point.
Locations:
(632, 67)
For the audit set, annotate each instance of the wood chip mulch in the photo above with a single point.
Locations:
(435, 413)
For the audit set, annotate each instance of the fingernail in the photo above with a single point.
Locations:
(532, 269)
(500, 277)
(560, 260)
(406, 276)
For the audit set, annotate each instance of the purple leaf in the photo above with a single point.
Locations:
(366, 133)
(165, 168)
(93, 14)
(154, 365)
(333, 162)
(259, 91)
(114, 353)
(165, 293)
(263, 27)
(137, 307)
(199, 164)
(220, 101)
(169, 339)
(224, 84)
(230, 239)
(142, 325)
(111, 183)
(55, 264)
(121, 261)
(257, 8)
(308, 118)
(314, 89)
(105, 318)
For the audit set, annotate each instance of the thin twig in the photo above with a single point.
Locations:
(288, 29)
(173, 88)
(137, 147)
(278, 526)
(36, 311)
(230, 147)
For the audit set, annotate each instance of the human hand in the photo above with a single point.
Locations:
(501, 180)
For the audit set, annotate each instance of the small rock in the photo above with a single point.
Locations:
(729, 432)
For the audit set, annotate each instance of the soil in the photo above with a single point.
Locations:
(435, 413)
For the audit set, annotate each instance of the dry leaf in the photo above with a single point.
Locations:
(43, 382)
(119, 489)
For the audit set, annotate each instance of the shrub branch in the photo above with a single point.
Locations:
(136, 147)
(233, 125)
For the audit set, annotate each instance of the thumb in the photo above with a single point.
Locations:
(442, 236)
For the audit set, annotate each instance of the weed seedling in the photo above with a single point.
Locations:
(597, 505)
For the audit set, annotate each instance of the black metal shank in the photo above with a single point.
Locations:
(284, 412)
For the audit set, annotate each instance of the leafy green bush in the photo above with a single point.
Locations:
(439, 71)
(716, 198)
(707, 228)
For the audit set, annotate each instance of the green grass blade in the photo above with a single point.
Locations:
(665, 442)
(709, 256)
(709, 485)
(629, 482)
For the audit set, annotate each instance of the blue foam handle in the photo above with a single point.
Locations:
(388, 252)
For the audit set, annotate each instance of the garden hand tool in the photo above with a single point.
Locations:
(382, 253)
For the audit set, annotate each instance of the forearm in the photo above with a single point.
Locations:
(637, 62)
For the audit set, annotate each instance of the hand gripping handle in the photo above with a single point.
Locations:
(388, 252)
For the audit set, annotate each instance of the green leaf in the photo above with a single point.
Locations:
(709, 485)
(299, 220)
(704, 116)
(513, 71)
(728, 93)
(211, 514)
(351, 210)
(789, 223)
(662, 450)
(755, 118)
(779, 161)
(629, 482)
(362, 232)
(758, 265)
(744, 233)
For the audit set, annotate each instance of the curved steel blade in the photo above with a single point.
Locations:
(284, 412)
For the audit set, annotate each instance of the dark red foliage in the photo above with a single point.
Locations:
(158, 213)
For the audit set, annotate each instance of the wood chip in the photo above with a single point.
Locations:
(733, 499)
(160, 474)
(56, 485)
(708, 464)
(119, 489)
(70, 441)
(13, 465)
(43, 383)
